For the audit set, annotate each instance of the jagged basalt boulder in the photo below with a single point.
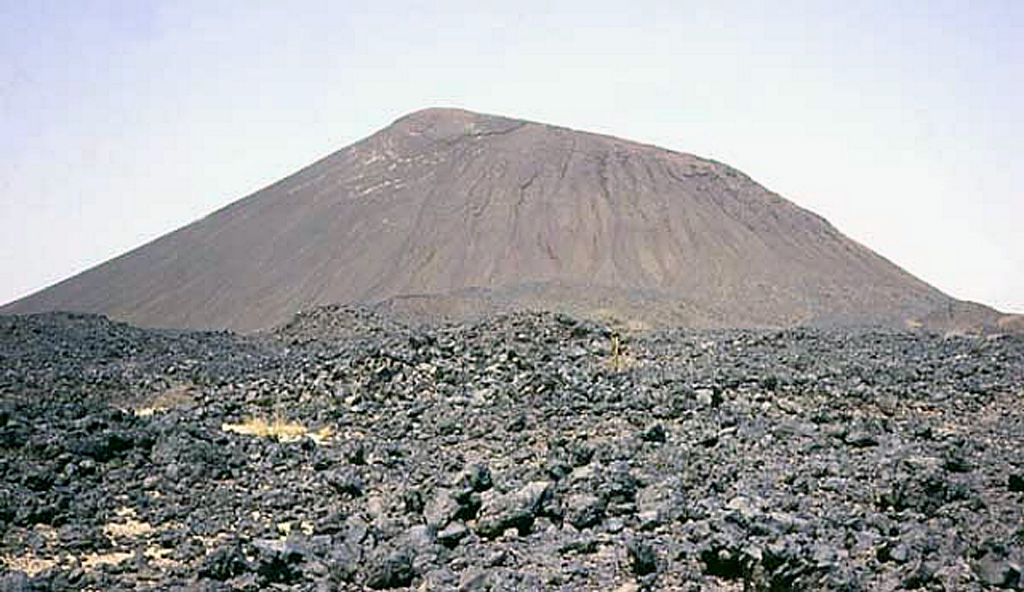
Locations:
(390, 569)
(225, 562)
(518, 509)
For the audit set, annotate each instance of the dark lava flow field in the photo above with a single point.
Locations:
(346, 452)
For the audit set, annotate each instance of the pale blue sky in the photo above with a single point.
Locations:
(899, 122)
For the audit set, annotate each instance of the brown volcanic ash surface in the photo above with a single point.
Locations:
(453, 211)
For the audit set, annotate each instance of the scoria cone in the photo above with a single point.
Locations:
(448, 210)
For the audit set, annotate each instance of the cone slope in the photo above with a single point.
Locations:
(469, 211)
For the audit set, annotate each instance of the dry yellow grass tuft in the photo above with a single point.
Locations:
(618, 360)
(174, 396)
(127, 526)
(28, 563)
(92, 561)
(160, 557)
(282, 430)
(323, 435)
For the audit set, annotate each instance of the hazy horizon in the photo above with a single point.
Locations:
(900, 125)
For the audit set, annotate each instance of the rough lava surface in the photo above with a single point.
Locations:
(530, 451)
(454, 213)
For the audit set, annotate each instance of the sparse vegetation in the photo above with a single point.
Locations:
(280, 429)
(174, 396)
(618, 358)
(256, 426)
(616, 351)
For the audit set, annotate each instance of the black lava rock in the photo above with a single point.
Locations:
(506, 453)
(225, 562)
(279, 562)
(655, 433)
(390, 569)
(642, 558)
